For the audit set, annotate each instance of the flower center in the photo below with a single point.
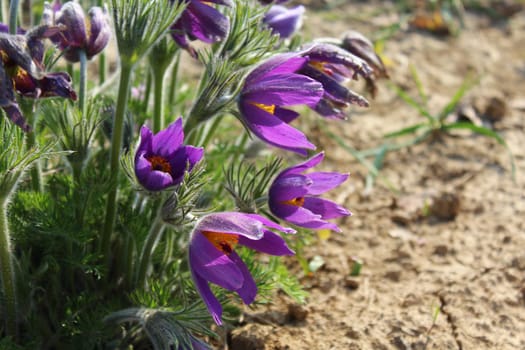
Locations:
(159, 163)
(268, 108)
(321, 66)
(298, 202)
(225, 242)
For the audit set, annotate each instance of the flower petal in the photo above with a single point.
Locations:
(269, 223)
(288, 187)
(205, 23)
(325, 181)
(233, 223)
(212, 264)
(283, 63)
(271, 243)
(272, 130)
(168, 140)
(248, 291)
(152, 180)
(301, 217)
(327, 209)
(299, 168)
(213, 305)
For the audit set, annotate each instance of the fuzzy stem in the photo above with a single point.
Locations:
(116, 146)
(102, 68)
(82, 90)
(2, 10)
(9, 304)
(28, 108)
(13, 14)
(158, 98)
(154, 235)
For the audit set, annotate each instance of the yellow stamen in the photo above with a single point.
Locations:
(268, 108)
(298, 202)
(225, 242)
(160, 163)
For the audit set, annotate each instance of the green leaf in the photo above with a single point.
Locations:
(451, 105)
(412, 102)
(408, 130)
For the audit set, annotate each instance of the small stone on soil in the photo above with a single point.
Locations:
(297, 313)
(351, 283)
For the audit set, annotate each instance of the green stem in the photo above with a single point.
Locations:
(158, 98)
(13, 14)
(2, 10)
(9, 304)
(28, 108)
(83, 83)
(102, 68)
(116, 146)
(152, 239)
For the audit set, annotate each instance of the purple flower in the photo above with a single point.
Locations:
(331, 66)
(200, 21)
(283, 21)
(212, 257)
(22, 70)
(162, 160)
(91, 35)
(294, 196)
(271, 86)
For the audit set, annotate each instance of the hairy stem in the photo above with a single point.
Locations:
(116, 146)
(152, 239)
(83, 83)
(13, 15)
(9, 304)
(102, 68)
(28, 108)
(158, 98)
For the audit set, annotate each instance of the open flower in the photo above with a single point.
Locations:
(283, 21)
(22, 70)
(331, 66)
(294, 196)
(212, 257)
(200, 21)
(162, 160)
(91, 35)
(271, 86)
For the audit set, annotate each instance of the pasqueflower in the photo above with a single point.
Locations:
(212, 256)
(331, 66)
(200, 21)
(294, 196)
(79, 33)
(162, 160)
(21, 69)
(274, 84)
(284, 21)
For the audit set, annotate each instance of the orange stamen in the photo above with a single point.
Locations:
(159, 163)
(321, 66)
(268, 108)
(225, 242)
(298, 202)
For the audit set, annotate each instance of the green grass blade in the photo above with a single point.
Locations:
(420, 89)
(481, 130)
(451, 105)
(411, 102)
(405, 131)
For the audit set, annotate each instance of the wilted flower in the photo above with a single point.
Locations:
(358, 45)
(21, 69)
(212, 257)
(331, 66)
(200, 21)
(162, 160)
(268, 88)
(79, 33)
(283, 21)
(294, 196)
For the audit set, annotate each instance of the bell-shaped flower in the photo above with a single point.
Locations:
(283, 21)
(269, 88)
(22, 70)
(332, 66)
(212, 256)
(162, 160)
(294, 196)
(90, 34)
(200, 21)
(359, 45)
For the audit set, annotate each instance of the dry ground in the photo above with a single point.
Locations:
(451, 235)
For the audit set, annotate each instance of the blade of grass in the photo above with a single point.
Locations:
(481, 130)
(467, 84)
(405, 131)
(420, 89)
(378, 164)
(411, 102)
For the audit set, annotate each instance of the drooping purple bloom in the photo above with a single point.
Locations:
(283, 21)
(200, 21)
(294, 196)
(22, 70)
(212, 257)
(269, 88)
(80, 33)
(331, 66)
(162, 160)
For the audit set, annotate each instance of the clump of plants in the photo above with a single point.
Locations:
(133, 202)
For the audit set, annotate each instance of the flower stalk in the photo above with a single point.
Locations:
(158, 98)
(82, 91)
(13, 15)
(9, 304)
(152, 239)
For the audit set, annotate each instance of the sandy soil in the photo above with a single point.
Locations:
(450, 237)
